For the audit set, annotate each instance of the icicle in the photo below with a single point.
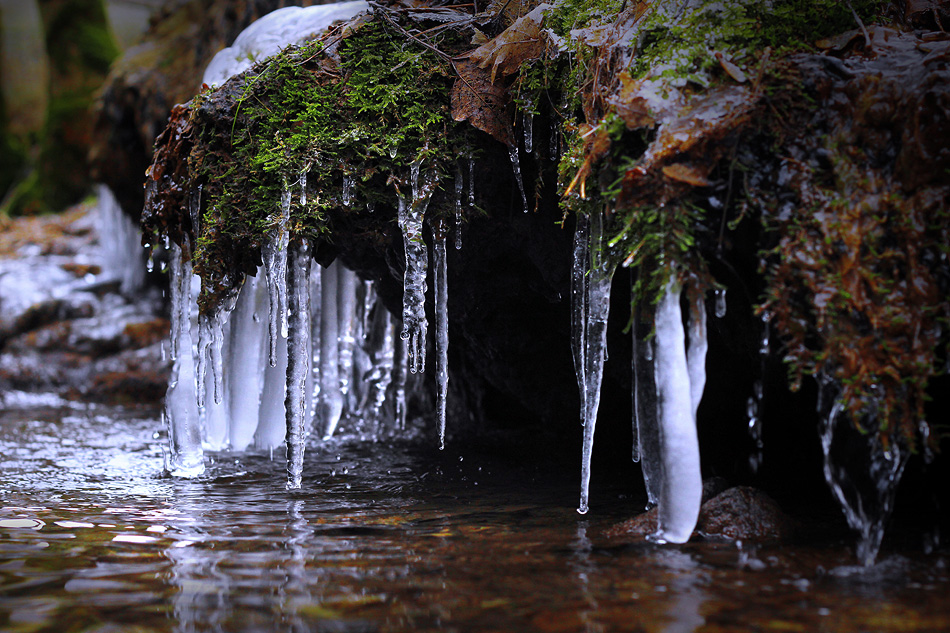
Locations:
(303, 185)
(316, 327)
(866, 500)
(554, 149)
(602, 267)
(369, 300)
(275, 267)
(347, 285)
(528, 121)
(186, 457)
(682, 485)
(471, 182)
(400, 375)
(755, 402)
(516, 167)
(635, 449)
(201, 358)
(698, 346)
(441, 326)
(181, 287)
(380, 347)
(213, 348)
(755, 432)
(458, 209)
(414, 279)
(272, 417)
(645, 404)
(349, 184)
(298, 358)
(579, 304)
(330, 400)
(720, 294)
(246, 370)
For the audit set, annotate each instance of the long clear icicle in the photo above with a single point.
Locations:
(316, 327)
(579, 304)
(400, 376)
(347, 285)
(330, 400)
(298, 358)
(647, 433)
(275, 268)
(682, 486)
(600, 275)
(186, 457)
(441, 326)
(458, 208)
(414, 279)
(516, 168)
(528, 121)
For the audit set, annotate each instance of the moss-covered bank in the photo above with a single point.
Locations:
(800, 145)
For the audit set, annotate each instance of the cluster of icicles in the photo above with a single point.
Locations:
(299, 347)
(669, 375)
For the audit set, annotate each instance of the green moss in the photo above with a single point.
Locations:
(681, 44)
(360, 116)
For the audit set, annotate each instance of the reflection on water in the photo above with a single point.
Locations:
(382, 537)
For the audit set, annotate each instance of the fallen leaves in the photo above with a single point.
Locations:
(476, 99)
(520, 42)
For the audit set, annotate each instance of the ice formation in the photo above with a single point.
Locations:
(441, 325)
(411, 214)
(299, 357)
(516, 169)
(681, 485)
(274, 31)
(338, 356)
(593, 271)
(669, 376)
(119, 240)
(866, 497)
(330, 345)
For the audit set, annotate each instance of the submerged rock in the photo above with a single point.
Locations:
(739, 513)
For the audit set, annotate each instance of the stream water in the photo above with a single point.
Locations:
(384, 536)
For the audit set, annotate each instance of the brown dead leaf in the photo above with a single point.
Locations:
(688, 174)
(476, 99)
(518, 43)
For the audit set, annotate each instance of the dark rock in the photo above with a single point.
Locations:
(744, 513)
(741, 513)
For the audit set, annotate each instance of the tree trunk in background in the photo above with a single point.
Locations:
(80, 48)
(11, 152)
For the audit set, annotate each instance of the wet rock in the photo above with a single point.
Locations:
(744, 513)
(741, 513)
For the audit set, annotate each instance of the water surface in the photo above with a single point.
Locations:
(386, 536)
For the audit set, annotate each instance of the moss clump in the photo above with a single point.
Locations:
(686, 42)
(349, 122)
